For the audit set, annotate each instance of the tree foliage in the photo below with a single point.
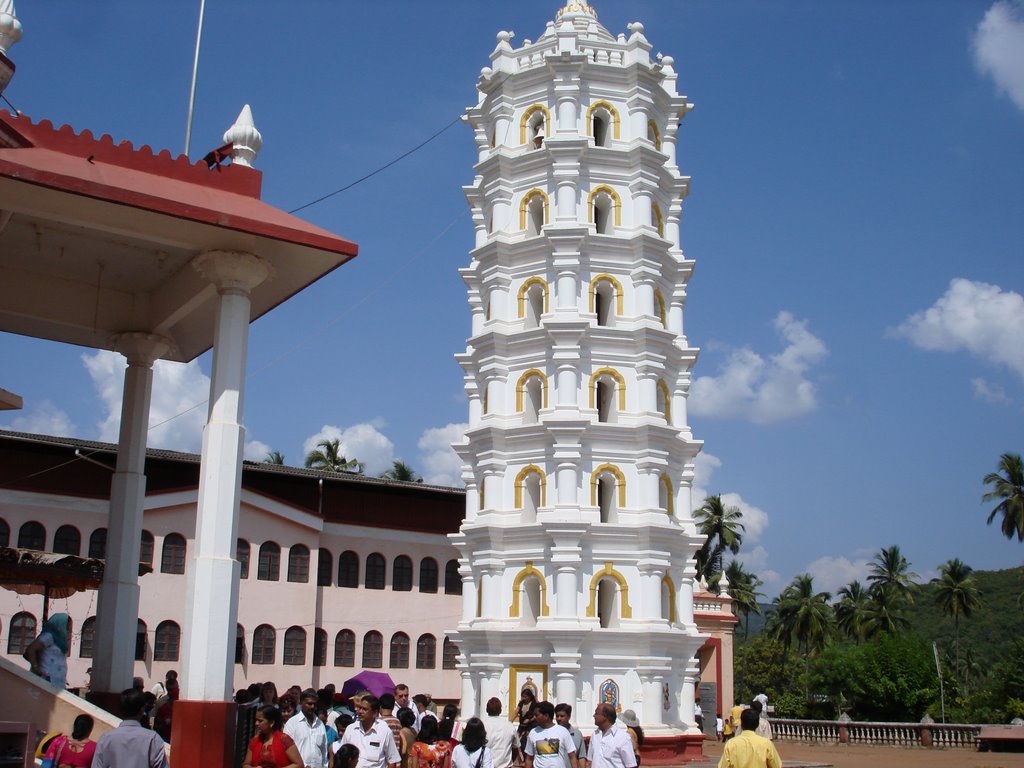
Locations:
(327, 457)
(956, 593)
(1007, 487)
(722, 526)
(402, 472)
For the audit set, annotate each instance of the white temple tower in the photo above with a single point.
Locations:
(578, 543)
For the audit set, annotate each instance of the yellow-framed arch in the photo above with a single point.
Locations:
(517, 584)
(614, 283)
(616, 203)
(620, 481)
(521, 387)
(524, 206)
(660, 301)
(667, 581)
(529, 112)
(669, 503)
(612, 111)
(524, 289)
(659, 220)
(625, 610)
(652, 128)
(618, 380)
(663, 388)
(531, 469)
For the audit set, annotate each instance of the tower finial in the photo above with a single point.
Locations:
(10, 27)
(246, 139)
(575, 8)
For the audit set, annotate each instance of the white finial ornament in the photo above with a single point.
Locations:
(245, 138)
(10, 27)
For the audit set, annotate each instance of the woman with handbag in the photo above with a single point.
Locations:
(74, 751)
(271, 747)
(473, 752)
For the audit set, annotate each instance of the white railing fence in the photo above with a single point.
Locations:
(924, 734)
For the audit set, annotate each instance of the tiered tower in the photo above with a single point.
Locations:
(578, 543)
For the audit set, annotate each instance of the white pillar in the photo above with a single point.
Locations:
(469, 697)
(652, 704)
(567, 484)
(567, 387)
(469, 596)
(565, 592)
(566, 201)
(117, 612)
(565, 291)
(211, 597)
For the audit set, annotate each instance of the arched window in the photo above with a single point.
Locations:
(268, 567)
(653, 134)
(608, 603)
(533, 125)
(668, 599)
(664, 401)
(452, 578)
(534, 211)
(22, 633)
(449, 654)
(609, 597)
(98, 543)
(67, 541)
(239, 644)
(32, 535)
(605, 299)
(399, 656)
(607, 394)
(426, 652)
(319, 647)
(376, 571)
(146, 548)
(298, 564)
(401, 576)
(530, 491)
(602, 123)
(665, 495)
(88, 640)
(172, 559)
(242, 551)
(345, 648)
(264, 644)
(348, 569)
(140, 641)
(659, 306)
(428, 575)
(657, 221)
(167, 641)
(295, 646)
(324, 566)
(605, 209)
(529, 596)
(533, 301)
(5, 533)
(531, 394)
(608, 491)
(373, 650)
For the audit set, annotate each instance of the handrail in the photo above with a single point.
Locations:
(951, 735)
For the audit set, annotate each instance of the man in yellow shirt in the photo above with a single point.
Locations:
(748, 750)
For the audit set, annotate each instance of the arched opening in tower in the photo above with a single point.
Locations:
(604, 397)
(606, 499)
(531, 497)
(534, 305)
(603, 214)
(535, 215)
(533, 399)
(602, 120)
(608, 603)
(604, 303)
(529, 601)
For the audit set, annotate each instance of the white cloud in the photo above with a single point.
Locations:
(755, 560)
(44, 418)
(255, 450)
(764, 391)
(755, 519)
(363, 442)
(177, 410)
(441, 465)
(832, 573)
(990, 393)
(978, 317)
(998, 47)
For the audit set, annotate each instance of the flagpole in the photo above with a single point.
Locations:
(195, 74)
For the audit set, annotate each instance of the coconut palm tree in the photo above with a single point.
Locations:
(402, 472)
(327, 457)
(886, 613)
(724, 530)
(1008, 489)
(804, 618)
(273, 457)
(956, 593)
(852, 610)
(891, 572)
(743, 590)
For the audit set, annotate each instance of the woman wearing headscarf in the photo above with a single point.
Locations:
(47, 655)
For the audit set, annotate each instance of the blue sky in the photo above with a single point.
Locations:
(855, 215)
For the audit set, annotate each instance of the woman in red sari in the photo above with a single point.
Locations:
(270, 747)
(428, 751)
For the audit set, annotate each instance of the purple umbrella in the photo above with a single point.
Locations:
(376, 683)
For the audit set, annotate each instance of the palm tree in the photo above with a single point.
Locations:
(327, 457)
(1008, 489)
(956, 593)
(804, 617)
(743, 590)
(273, 457)
(885, 614)
(852, 610)
(891, 572)
(402, 472)
(724, 530)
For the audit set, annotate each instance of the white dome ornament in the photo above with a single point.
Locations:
(244, 137)
(10, 27)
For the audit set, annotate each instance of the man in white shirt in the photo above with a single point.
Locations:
(372, 736)
(502, 736)
(610, 746)
(549, 744)
(308, 731)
